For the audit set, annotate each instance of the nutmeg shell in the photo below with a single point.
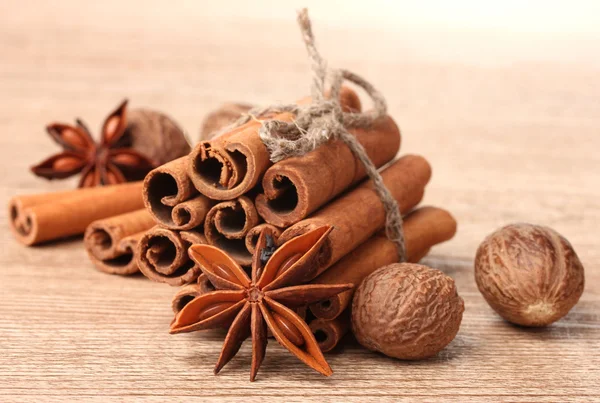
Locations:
(407, 311)
(155, 135)
(529, 274)
(221, 117)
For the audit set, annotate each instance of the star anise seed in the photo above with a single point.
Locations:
(104, 163)
(251, 305)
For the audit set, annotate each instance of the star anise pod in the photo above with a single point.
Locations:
(251, 305)
(105, 163)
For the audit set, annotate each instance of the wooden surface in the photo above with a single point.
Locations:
(510, 122)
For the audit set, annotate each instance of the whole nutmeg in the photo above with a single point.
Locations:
(155, 135)
(222, 117)
(529, 274)
(407, 311)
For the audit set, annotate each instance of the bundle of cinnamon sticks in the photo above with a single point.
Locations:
(227, 190)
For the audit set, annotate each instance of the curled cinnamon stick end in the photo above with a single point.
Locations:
(221, 117)
(171, 198)
(111, 242)
(423, 229)
(162, 256)
(185, 295)
(297, 186)
(39, 218)
(230, 165)
(328, 333)
(205, 284)
(405, 178)
(252, 236)
(227, 225)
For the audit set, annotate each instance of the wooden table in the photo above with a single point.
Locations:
(510, 123)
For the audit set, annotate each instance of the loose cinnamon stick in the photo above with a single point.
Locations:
(162, 256)
(233, 163)
(423, 228)
(297, 186)
(171, 198)
(254, 233)
(45, 217)
(329, 332)
(227, 225)
(357, 215)
(111, 242)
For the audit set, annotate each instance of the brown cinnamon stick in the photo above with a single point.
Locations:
(205, 284)
(233, 163)
(252, 235)
(171, 198)
(227, 225)
(329, 332)
(111, 242)
(185, 295)
(357, 215)
(162, 255)
(45, 217)
(423, 228)
(297, 186)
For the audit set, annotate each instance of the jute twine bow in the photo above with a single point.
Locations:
(324, 120)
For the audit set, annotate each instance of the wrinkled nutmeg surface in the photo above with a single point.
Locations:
(407, 311)
(529, 274)
(156, 136)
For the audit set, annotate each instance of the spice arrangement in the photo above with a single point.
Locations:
(272, 230)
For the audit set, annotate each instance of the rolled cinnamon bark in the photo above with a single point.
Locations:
(233, 163)
(254, 233)
(205, 284)
(423, 228)
(297, 186)
(227, 225)
(329, 332)
(162, 256)
(111, 242)
(185, 295)
(45, 217)
(357, 215)
(171, 198)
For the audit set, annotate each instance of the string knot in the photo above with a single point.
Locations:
(324, 120)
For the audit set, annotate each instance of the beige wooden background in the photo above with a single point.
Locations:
(504, 101)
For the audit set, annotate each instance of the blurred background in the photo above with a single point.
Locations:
(501, 97)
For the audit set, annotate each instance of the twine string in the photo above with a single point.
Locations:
(322, 120)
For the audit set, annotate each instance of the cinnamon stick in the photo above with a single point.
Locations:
(171, 198)
(39, 218)
(329, 332)
(227, 225)
(111, 242)
(253, 234)
(357, 215)
(205, 284)
(423, 228)
(162, 255)
(297, 186)
(185, 295)
(233, 163)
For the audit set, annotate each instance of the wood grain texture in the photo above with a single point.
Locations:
(512, 136)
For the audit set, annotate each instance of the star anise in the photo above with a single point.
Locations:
(250, 306)
(108, 162)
